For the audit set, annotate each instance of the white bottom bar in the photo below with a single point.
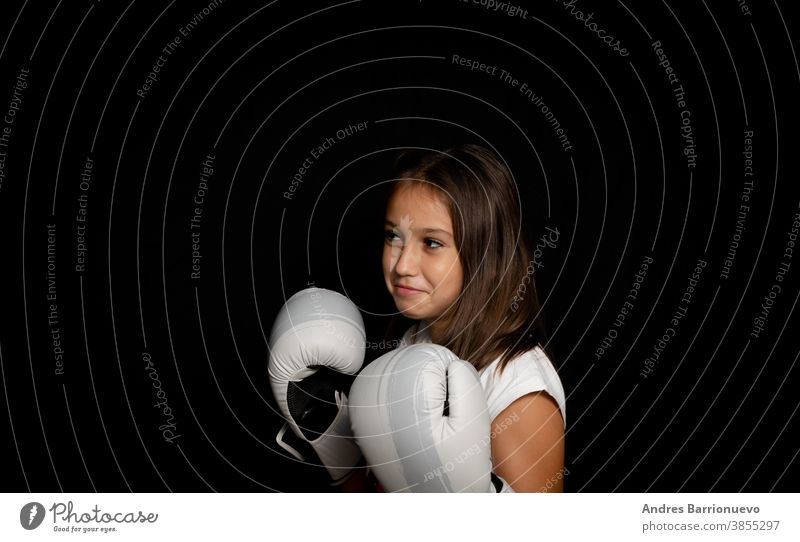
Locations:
(354, 517)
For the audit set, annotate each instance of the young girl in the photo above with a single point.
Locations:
(457, 260)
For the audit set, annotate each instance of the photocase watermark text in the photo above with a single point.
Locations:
(64, 512)
(473, 450)
(168, 429)
(549, 239)
(677, 317)
(317, 152)
(625, 309)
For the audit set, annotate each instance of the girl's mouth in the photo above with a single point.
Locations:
(405, 291)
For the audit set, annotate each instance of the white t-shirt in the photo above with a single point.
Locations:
(529, 372)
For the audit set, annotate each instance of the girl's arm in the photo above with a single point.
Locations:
(528, 444)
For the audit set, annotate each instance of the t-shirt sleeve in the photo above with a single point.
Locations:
(529, 373)
(405, 340)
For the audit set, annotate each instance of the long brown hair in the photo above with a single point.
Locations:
(498, 311)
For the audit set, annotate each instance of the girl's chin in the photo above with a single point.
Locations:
(410, 311)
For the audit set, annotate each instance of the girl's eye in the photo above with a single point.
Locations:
(433, 243)
(390, 236)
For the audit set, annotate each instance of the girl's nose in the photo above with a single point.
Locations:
(408, 261)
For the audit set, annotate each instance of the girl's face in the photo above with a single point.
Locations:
(420, 260)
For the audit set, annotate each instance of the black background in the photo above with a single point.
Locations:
(259, 87)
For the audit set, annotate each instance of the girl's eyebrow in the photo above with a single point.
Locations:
(423, 230)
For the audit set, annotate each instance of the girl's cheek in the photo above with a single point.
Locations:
(394, 254)
(389, 258)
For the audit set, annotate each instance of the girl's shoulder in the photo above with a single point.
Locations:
(529, 372)
(535, 358)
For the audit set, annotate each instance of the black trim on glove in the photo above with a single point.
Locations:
(497, 482)
(312, 403)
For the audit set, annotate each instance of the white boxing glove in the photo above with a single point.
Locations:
(419, 415)
(317, 328)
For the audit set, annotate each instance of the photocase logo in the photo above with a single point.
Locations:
(31, 515)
